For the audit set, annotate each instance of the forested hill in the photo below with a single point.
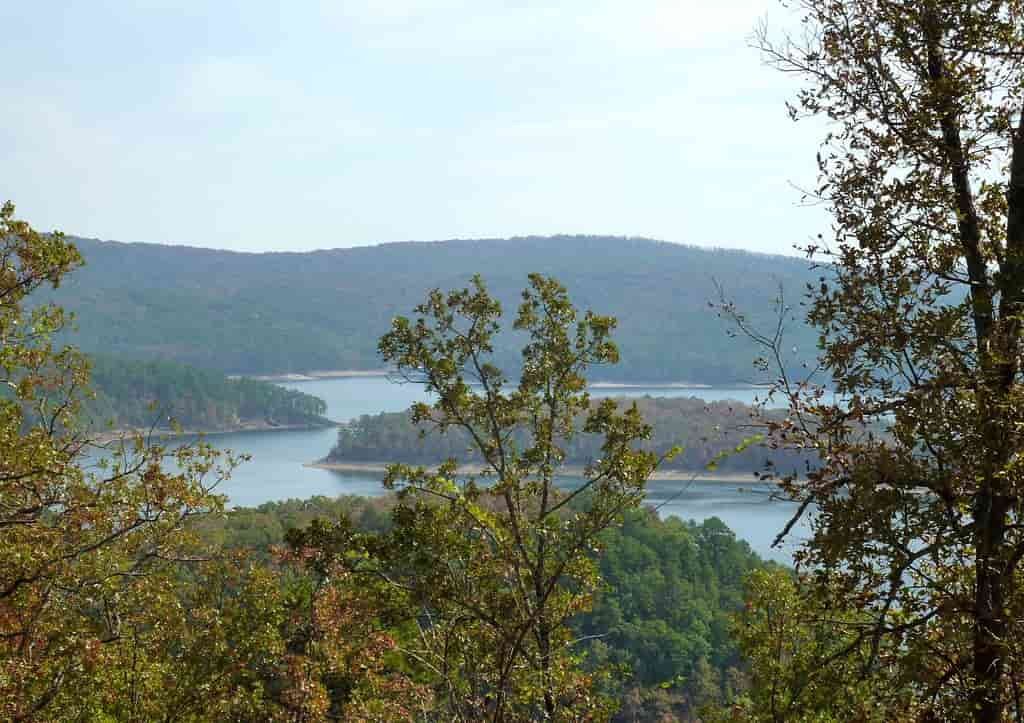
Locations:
(295, 312)
(149, 393)
(663, 613)
(712, 434)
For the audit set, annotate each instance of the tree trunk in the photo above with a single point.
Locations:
(544, 643)
(990, 593)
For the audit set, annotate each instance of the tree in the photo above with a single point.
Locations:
(80, 544)
(806, 659)
(920, 488)
(496, 561)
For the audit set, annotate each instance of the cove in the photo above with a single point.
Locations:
(277, 472)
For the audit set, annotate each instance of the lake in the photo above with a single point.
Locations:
(276, 471)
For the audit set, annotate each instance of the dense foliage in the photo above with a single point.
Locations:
(663, 613)
(111, 606)
(140, 394)
(915, 565)
(85, 550)
(709, 433)
(809, 667)
(670, 590)
(497, 562)
(297, 312)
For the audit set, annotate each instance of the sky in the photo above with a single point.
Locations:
(258, 126)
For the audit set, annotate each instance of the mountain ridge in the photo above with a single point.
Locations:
(284, 312)
(429, 242)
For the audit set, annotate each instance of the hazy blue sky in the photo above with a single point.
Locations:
(259, 125)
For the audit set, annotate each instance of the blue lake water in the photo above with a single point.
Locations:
(276, 471)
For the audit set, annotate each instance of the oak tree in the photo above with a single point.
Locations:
(920, 488)
(81, 543)
(496, 558)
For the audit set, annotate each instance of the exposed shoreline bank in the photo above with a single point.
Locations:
(313, 376)
(322, 374)
(665, 475)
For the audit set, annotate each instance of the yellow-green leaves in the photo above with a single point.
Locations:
(738, 449)
(918, 498)
(87, 552)
(496, 555)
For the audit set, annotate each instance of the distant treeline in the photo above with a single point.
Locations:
(671, 587)
(709, 432)
(243, 313)
(150, 393)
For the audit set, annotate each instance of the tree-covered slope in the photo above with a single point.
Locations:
(711, 433)
(670, 589)
(295, 312)
(150, 393)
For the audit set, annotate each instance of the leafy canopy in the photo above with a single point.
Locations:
(918, 537)
(499, 561)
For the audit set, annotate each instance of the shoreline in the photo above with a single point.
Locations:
(315, 375)
(654, 385)
(678, 385)
(322, 374)
(115, 435)
(666, 475)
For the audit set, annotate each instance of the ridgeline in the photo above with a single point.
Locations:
(274, 313)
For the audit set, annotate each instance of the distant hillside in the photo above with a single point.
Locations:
(295, 312)
(147, 394)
